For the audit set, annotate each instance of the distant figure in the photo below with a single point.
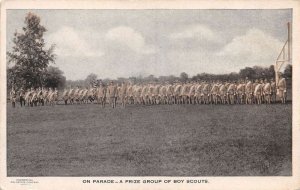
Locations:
(129, 94)
(13, 97)
(28, 96)
(273, 91)
(101, 94)
(241, 92)
(258, 91)
(22, 97)
(112, 92)
(223, 93)
(267, 91)
(122, 94)
(281, 89)
(215, 93)
(177, 91)
(65, 96)
(40, 96)
(145, 94)
(249, 91)
(231, 93)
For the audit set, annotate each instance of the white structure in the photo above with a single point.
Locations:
(285, 56)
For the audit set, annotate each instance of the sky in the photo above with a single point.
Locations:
(124, 43)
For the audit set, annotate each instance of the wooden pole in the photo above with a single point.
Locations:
(289, 41)
(286, 58)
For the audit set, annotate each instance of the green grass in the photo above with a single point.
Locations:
(185, 140)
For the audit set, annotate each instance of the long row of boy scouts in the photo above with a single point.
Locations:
(153, 93)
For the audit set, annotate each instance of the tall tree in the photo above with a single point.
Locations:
(29, 56)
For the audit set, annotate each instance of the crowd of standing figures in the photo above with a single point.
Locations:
(200, 92)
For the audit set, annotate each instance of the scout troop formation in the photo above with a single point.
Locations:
(201, 92)
(34, 97)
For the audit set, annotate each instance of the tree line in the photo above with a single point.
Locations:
(251, 73)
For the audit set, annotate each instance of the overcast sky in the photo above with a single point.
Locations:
(122, 43)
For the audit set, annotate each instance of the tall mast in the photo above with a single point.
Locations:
(285, 55)
(290, 42)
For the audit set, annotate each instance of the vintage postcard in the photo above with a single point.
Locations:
(150, 95)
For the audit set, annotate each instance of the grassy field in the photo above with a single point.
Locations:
(176, 140)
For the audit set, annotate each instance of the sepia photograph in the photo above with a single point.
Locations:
(149, 92)
(162, 92)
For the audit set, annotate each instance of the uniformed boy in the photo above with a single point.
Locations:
(13, 97)
(112, 92)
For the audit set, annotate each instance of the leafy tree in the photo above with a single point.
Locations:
(149, 78)
(288, 71)
(133, 80)
(29, 56)
(12, 77)
(172, 78)
(54, 78)
(233, 76)
(270, 72)
(184, 77)
(72, 84)
(258, 72)
(91, 79)
(247, 72)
